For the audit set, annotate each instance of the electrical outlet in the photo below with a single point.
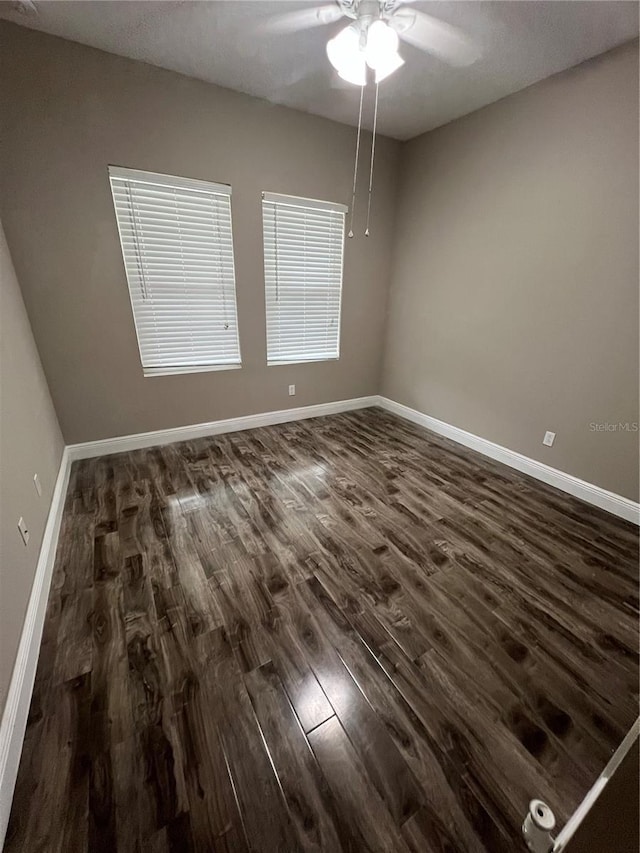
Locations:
(549, 438)
(37, 484)
(22, 527)
(292, 390)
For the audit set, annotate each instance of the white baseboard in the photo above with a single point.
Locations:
(588, 492)
(16, 710)
(122, 443)
(609, 501)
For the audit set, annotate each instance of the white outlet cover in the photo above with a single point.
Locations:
(292, 390)
(37, 484)
(22, 527)
(549, 438)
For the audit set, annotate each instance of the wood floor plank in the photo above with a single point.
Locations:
(365, 822)
(215, 821)
(202, 609)
(341, 633)
(287, 652)
(73, 620)
(247, 609)
(385, 766)
(265, 815)
(110, 689)
(310, 802)
(58, 756)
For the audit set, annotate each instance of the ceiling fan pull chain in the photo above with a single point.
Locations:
(373, 151)
(355, 168)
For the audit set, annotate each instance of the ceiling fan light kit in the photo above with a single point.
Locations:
(381, 52)
(347, 57)
(363, 44)
(387, 65)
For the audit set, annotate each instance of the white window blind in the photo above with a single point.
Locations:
(177, 247)
(303, 255)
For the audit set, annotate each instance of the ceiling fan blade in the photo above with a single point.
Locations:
(434, 36)
(303, 19)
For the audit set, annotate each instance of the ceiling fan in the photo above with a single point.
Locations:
(372, 37)
(371, 40)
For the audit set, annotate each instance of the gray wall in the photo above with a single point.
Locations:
(514, 304)
(68, 111)
(30, 443)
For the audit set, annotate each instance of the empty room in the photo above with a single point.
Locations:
(319, 426)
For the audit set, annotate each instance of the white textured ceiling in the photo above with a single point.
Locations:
(225, 42)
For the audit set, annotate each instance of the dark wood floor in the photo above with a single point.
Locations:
(338, 634)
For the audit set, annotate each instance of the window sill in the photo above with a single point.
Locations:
(173, 371)
(302, 361)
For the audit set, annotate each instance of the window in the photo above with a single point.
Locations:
(178, 255)
(303, 249)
